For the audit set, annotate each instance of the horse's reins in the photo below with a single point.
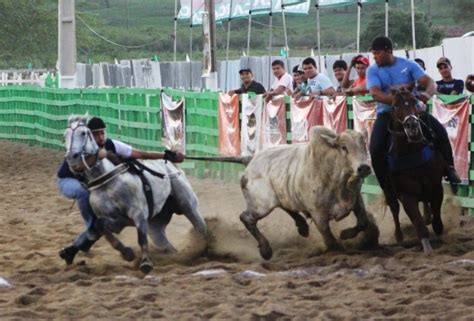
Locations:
(104, 179)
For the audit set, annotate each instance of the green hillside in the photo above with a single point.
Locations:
(139, 22)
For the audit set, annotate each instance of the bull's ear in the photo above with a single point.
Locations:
(330, 140)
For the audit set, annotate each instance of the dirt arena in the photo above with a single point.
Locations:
(229, 282)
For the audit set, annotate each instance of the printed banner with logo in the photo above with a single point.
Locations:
(274, 122)
(241, 8)
(305, 114)
(455, 118)
(335, 113)
(250, 142)
(228, 123)
(173, 135)
(364, 116)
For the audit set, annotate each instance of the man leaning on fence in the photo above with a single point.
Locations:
(388, 73)
(72, 185)
(283, 83)
(248, 84)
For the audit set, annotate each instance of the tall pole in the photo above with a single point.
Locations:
(128, 15)
(66, 43)
(413, 26)
(359, 6)
(249, 29)
(211, 79)
(270, 44)
(191, 46)
(318, 27)
(228, 45)
(175, 34)
(386, 18)
(284, 29)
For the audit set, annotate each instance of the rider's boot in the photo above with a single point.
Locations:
(68, 254)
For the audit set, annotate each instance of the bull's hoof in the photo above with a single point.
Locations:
(303, 229)
(437, 225)
(266, 251)
(128, 254)
(350, 233)
(146, 266)
(68, 254)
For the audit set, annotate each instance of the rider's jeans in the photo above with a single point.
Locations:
(73, 189)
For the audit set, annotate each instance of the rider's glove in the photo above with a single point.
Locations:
(172, 156)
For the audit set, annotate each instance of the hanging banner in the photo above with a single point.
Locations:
(335, 113)
(228, 122)
(305, 114)
(274, 122)
(241, 8)
(250, 142)
(172, 123)
(455, 118)
(364, 116)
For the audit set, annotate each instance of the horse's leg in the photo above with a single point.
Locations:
(107, 227)
(126, 252)
(300, 221)
(142, 229)
(436, 202)
(427, 214)
(396, 220)
(410, 204)
(157, 227)
(250, 219)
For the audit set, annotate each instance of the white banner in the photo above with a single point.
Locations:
(173, 134)
(250, 142)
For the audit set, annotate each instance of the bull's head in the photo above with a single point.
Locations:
(352, 146)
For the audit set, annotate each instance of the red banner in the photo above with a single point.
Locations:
(305, 114)
(229, 131)
(335, 113)
(274, 123)
(455, 118)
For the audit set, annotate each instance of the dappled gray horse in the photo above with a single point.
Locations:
(117, 196)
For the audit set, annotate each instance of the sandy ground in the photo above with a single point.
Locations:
(229, 282)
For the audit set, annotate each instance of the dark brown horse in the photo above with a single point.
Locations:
(416, 167)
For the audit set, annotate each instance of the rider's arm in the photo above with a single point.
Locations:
(428, 83)
(380, 96)
(146, 155)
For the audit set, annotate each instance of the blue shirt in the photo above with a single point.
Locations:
(402, 72)
(446, 88)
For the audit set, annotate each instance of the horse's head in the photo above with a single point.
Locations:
(405, 114)
(81, 148)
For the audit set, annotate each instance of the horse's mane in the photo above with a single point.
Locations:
(73, 119)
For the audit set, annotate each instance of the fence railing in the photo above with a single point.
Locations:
(38, 116)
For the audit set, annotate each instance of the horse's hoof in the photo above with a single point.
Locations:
(349, 233)
(336, 247)
(146, 267)
(399, 238)
(426, 246)
(303, 230)
(438, 227)
(128, 254)
(266, 251)
(68, 254)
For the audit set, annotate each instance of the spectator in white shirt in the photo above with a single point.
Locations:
(318, 83)
(283, 82)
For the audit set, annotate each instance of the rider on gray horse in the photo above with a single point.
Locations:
(71, 184)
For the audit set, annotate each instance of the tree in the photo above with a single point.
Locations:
(399, 30)
(463, 9)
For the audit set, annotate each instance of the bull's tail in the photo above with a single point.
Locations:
(244, 160)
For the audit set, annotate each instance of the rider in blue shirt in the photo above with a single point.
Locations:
(388, 73)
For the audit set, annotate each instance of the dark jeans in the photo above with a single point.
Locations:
(380, 144)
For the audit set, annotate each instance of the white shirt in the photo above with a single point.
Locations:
(286, 81)
(122, 149)
(319, 83)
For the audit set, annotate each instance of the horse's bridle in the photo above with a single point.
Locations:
(405, 133)
(82, 154)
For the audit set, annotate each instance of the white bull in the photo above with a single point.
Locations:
(321, 179)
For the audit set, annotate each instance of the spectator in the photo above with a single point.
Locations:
(298, 76)
(340, 69)
(359, 87)
(470, 83)
(283, 83)
(448, 85)
(419, 87)
(318, 84)
(248, 84)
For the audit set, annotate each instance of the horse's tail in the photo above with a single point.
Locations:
(244, 160)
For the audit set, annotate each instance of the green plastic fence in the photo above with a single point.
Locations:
(38, 116)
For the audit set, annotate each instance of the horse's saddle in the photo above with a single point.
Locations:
(399, 163)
